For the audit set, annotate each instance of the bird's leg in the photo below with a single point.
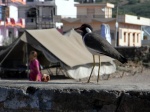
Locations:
(98, 69)
(92, 68)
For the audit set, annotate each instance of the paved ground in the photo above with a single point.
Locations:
(139, 82)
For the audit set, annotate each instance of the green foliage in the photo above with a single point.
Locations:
(140, 9)
(133, 7)
(133, 1)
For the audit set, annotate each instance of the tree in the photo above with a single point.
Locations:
(133, 1)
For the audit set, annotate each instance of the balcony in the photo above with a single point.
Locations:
(20, 2)
(94, 16)
(20, 23)
(40, 22)
(10, 22)
(90, 16)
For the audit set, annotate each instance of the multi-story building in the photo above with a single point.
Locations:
(129, 30)
(126, 33)
(94, 14)
(38, 14)
(43, 14)
(9, 19)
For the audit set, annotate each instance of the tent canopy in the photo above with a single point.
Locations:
(70, 51)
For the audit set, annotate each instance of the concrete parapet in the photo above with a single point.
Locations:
(72, 100)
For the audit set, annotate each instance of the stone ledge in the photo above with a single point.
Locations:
(72, 99)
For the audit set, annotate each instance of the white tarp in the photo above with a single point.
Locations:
(84, 71)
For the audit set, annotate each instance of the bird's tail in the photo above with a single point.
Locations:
(123, 60)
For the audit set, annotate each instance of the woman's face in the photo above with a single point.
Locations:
(31, 56)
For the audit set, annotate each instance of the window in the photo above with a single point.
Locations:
(90, 11)
(9, 34)
(31, 12)
(137, 38)
(128, 39)
(48, 0)
(106, 12)
(133, 37)
(30, 0)
(124, 37)
(32, 20)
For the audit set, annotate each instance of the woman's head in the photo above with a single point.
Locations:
(33, 55)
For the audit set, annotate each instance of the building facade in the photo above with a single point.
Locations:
(130, 32)
(43, 14)
(38, 14)
(10, 22)
(127, 33)
(94, 14)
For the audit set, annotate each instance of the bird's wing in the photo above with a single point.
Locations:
(96, 42)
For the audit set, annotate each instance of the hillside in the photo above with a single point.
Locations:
(134, 7)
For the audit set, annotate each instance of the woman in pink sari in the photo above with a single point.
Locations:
(35, 74)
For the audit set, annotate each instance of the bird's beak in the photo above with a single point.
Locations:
(78, 30)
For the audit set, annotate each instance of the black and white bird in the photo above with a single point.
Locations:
(98, 45)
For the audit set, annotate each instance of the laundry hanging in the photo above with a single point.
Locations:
(105, 32)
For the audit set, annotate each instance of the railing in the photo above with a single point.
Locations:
(94, 16)
(40, 22)
(19, 1)
(20, 23)
(39, 19)
(12, 22)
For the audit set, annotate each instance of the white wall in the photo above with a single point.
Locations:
(13, 12)
(137, 20)
(66, 8)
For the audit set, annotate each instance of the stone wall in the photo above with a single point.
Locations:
(34, 99)
(133, 53)
(136, 54)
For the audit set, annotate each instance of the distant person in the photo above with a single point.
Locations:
(60, 29)
(35, 73)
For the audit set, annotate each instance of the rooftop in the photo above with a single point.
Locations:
(96, 4)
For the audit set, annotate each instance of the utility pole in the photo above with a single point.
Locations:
(116, 35)
(52, 16)
(37, 17)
